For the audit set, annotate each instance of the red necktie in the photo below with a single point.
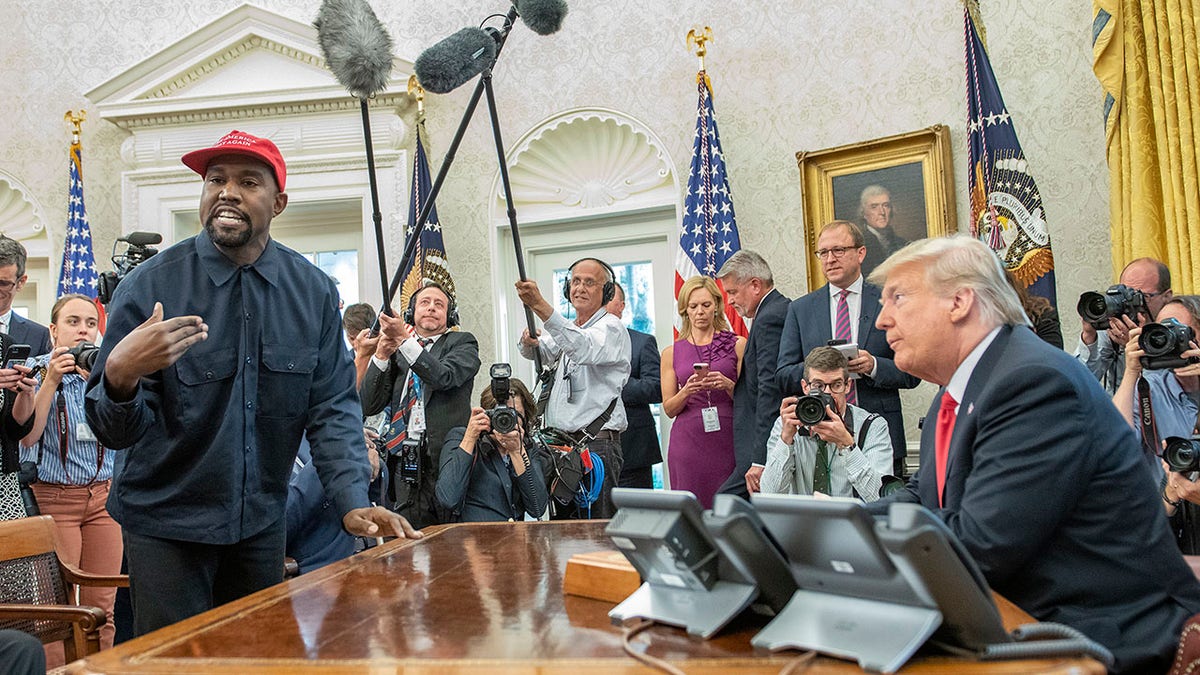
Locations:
(947, 414)
(841, 331)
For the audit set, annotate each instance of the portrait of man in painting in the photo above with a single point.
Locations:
(888, 204)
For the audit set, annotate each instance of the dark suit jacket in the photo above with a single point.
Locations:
(484, 485)
(639, 441)
(756, 395)
(26, 332)
(1047, 489)
(808, 326)
(447, 370)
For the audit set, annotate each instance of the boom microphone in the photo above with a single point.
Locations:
(142, 238)
(355, 44)
(455, 60)
(542, 16)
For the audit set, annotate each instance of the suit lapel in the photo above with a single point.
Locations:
(501, 471)
(868, 311)
(964, 423)
(825, 326)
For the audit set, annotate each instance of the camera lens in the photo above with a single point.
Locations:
(503, 419)
(1181, 455)
(1093, 307)
(810, 409)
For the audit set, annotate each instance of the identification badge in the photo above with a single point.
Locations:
(416, 420)
(711, 421)
(83, 432)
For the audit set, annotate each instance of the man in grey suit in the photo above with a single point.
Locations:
(639, 441)
(420, 355)
(12, 280)
(846, 307)
(750, 286)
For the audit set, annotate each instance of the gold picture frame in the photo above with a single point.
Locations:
(914, 167)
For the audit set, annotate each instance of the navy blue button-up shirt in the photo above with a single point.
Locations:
(205, 447)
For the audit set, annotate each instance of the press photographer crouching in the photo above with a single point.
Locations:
(489, 469)
(821, 443)
(1160, 396)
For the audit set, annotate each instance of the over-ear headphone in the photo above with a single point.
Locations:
(451, 306)
(610, 286)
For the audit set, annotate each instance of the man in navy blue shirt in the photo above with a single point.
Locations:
(221, 352)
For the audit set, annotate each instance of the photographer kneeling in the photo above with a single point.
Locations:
(488, 472)
(1162, 376)
(822, 444)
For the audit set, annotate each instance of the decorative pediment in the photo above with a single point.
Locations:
(247, 63)
(22, 218)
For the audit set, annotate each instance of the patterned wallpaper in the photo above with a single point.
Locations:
(787, 76)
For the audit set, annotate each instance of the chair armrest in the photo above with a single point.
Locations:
(75, 575)
(88, 618)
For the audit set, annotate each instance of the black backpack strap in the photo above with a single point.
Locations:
(862, 431)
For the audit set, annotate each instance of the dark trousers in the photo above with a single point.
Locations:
(608, 450)
(21, 654)
(641, 477)
(171, 580)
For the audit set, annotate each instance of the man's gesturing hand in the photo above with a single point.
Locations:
(152, 346)
(376, 521)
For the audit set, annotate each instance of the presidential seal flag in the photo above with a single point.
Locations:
(1006, 206)
(78, 274)
(429, 263)
(708, 232)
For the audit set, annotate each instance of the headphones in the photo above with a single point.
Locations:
(451, 306)
(610, 286)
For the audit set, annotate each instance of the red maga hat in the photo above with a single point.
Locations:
(240, 143)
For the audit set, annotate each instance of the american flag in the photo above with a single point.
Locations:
(430, 261)
(1006, 206)
(78, 273)
(708, 232)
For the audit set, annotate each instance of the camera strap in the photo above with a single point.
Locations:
(1148, 428)
(546, 379)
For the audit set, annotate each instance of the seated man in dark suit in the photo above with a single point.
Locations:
(1027, 461)
(639, 441)
(845, 308)
(12, 280)
(425, 371)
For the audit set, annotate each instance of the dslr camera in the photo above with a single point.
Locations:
(502, 416)
(85, 354)
(138, 252)
(1164, 344)
(1119, 300)
(1182, 455)
(810, 408)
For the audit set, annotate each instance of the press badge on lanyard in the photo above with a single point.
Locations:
(416, 420)
(711, 421)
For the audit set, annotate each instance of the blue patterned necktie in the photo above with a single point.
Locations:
(398, 428)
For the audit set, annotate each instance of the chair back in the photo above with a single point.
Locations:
(30, 573)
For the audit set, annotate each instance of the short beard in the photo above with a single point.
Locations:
(234, 240)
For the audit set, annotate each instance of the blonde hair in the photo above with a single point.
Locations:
(685, 291)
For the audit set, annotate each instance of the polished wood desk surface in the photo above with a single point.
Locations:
(467, 598)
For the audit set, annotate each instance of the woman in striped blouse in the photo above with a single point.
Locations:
(74, 471)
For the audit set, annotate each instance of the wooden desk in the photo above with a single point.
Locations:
(468, 598)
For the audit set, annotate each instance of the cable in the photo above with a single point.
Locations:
(585, 498)
(652, 661)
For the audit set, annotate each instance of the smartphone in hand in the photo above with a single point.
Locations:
(16, 355)
(701, 369)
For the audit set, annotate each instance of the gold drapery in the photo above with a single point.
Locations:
(1146, 58)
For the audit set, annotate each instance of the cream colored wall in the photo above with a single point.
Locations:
(787, 76)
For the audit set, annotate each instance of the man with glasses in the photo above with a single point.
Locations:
(12, 280)
(1104, 352)
(845, 309)
(847, 454)
(592, 359)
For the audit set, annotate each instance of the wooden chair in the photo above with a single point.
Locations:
(37, 589)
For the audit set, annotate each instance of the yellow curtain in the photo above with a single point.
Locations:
(1146, 58)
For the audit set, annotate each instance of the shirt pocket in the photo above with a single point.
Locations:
(285, 380)
(205, 382)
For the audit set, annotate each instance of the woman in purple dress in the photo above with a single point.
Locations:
(706, 360)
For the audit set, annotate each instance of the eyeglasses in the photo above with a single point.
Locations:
(837, 252)
(576, 282)
(835, 387)
(6, 285)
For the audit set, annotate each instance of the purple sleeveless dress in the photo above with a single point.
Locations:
(698, 461)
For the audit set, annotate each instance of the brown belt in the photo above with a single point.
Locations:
(606, 434)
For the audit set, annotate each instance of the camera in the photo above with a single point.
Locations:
(1164, 344)
(138, 252)
(1119, 300)
(502, 416)
(1182, 455)
(85, 354)
(28, 475)
(810, 408)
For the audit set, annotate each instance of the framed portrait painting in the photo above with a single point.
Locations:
(896, 189)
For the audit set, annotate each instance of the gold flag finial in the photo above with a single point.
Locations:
(699, 39)
(76, 122)
(418, 92)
